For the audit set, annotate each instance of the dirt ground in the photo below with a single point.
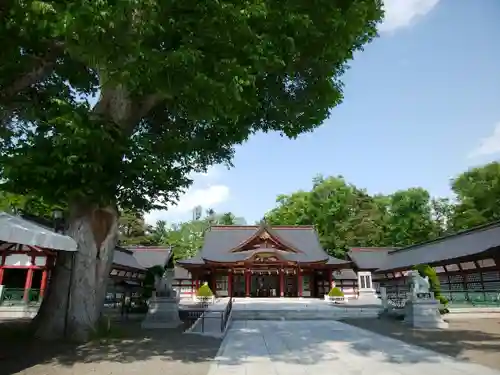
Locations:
(136, 352)
(475, 340)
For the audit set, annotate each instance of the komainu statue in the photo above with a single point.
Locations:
(418, 283)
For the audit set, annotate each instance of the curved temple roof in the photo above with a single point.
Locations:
(222, 244)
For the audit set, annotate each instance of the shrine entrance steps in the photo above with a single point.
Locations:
(298, 309)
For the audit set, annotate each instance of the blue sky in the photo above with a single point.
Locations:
(422, 104)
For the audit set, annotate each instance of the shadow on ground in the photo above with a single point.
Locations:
(294, 342)
(475, 340)
(135, 346)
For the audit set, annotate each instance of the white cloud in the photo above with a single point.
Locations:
(204, 192)
(488, 145)
(403, 13)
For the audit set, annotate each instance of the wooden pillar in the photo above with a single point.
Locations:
(213, 281)
(230, 283)
(2, 264)
(247, 283)
(27, 284)
(299, 282)
(312, 280)
(43, 283)
(330, 279)
(282, 283)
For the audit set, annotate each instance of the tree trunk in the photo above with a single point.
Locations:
(78, 284)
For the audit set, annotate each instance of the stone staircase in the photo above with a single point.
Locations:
(331, 313)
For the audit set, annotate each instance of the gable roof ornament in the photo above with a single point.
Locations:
(265, 232)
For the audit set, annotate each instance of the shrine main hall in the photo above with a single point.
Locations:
(263, 261)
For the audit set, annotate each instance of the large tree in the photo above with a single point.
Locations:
(179, 83)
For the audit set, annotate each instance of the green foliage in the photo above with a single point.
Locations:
(435, 286)
(204, 291)
(411, 219)
(29, 205)
(478, 195)
(346, 216)
(336, 292)
(133, 230)
(180, 83)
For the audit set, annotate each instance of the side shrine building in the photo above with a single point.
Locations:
(264, 261)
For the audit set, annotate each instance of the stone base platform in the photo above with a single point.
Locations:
(163, 313)
(424, 313)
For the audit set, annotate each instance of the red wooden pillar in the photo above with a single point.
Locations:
(299, 281)
(43, 283)
(282, 283)
(247, 283)
(230, 283)
(330, 279)
(27, 284)
(2, 263)
(213, 281)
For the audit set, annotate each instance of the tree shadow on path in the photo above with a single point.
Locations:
(169, 349)
(474, 340)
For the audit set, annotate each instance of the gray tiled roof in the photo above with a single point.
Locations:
(196, 260)
(219, 241)
(441, 250)
(345, 274)
(150, 256)
(332, 260)
(181, 273)
(369, 258)
(124, 258)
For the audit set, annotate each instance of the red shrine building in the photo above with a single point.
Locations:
(264, 261)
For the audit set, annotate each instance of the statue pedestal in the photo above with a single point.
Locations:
(163, 313)
(367, 297)
(424, 313)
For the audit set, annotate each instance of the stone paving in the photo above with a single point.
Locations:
(141, 352)
(325, 347)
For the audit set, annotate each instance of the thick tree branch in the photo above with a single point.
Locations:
(116, 104)
(42, 68)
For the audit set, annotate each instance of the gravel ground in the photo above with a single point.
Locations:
(138, 352)
(475, 340)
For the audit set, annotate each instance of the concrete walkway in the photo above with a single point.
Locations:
(326, 347)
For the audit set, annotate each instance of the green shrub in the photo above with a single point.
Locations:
(435, 286)
(335, 292)
(204, 291)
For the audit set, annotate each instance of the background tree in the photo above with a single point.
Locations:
(478, 196)
(346, 216)
(227, 218)
(132, 229)
(26, 205)
(443, 211)
(410, 217)
(343, 215)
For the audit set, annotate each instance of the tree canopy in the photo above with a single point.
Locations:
(175, 92)
(347, 216)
